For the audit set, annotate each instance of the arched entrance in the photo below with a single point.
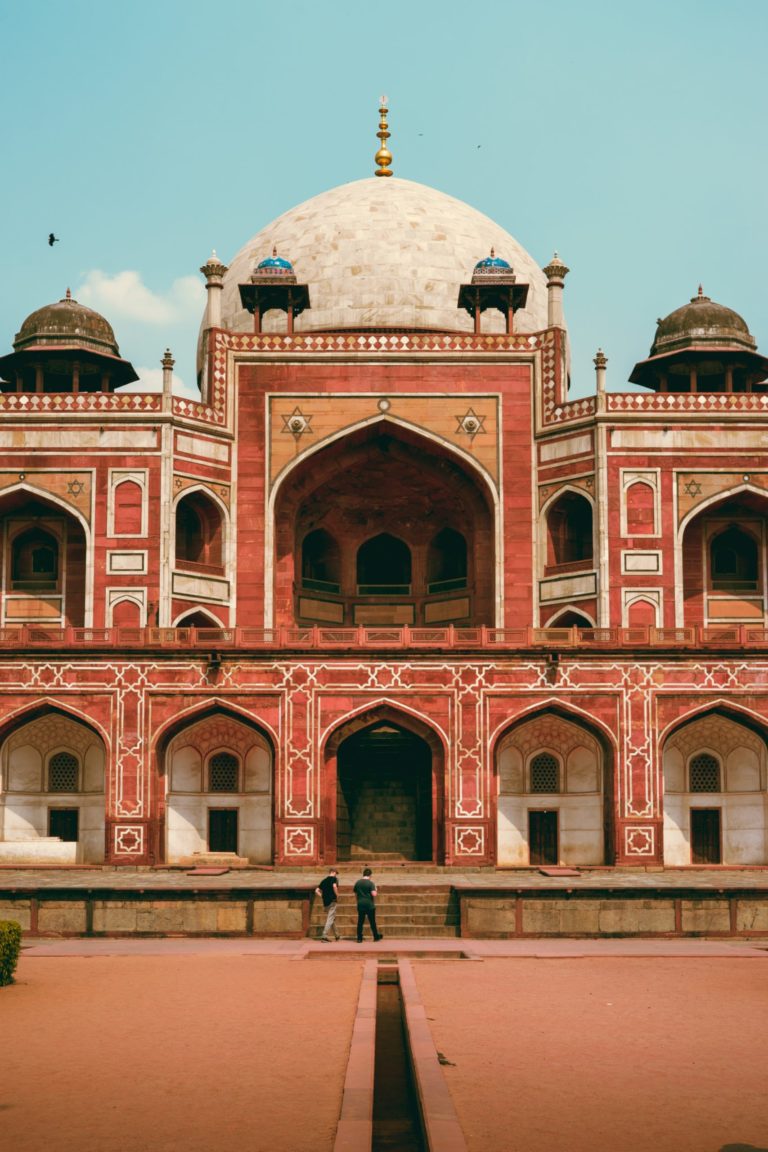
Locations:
(554, 794)
(388, 790)
(52, 771)
(715, 799)
(218, 789)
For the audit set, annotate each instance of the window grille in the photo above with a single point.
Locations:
(544, 773)
(62, 772)
(223, 772)
(705, 773)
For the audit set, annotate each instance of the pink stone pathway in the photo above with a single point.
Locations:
(611, 1054)
(175, 1053)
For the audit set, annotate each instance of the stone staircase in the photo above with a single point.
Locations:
(431, 910)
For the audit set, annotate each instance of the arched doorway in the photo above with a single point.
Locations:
(218, 790)
(52, 771)
(715, 799)
(554, 794)
(385, 771)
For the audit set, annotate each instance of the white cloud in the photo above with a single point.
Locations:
(151, 380)
(126, 296)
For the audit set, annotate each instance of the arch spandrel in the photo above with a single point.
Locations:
(698, 492)
(431, 419)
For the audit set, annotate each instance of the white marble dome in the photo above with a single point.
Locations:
(384, 253)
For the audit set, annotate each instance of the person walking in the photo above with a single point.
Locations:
(365, 894)
(329, 890)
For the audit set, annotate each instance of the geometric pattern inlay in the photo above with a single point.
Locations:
(299, 841)
(639, 841)
(129, 840)
(469, 841)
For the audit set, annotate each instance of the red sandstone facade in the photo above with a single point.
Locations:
(387, 593)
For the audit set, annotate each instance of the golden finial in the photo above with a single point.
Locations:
(383, 157)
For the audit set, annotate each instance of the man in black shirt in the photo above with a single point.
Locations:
(365, 893)
(329, 890)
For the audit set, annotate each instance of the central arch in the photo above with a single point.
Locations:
(384, 774)
(382, 526)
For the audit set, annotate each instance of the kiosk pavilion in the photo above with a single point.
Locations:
(384, 591)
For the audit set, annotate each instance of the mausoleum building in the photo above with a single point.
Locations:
(384, 591)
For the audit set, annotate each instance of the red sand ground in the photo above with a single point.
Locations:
(188, 1053)
(604, 1055)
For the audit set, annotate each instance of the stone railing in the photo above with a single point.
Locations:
(708, 403)
(741, 636)
(63, 402)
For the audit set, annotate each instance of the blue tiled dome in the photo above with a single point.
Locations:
(492, 262)
(276, 262)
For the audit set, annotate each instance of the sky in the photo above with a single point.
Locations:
(631, 137)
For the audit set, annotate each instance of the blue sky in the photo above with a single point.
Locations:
(631, 137)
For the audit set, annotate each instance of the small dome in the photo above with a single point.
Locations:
(492, 261)
(275, 261)
(701, 323)
(67, 324)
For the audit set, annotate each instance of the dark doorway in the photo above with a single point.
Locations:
(222, 830)
(384, 796)
(542, 837)
(64, 823)
(705, 836)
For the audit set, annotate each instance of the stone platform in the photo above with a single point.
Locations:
(424, 902)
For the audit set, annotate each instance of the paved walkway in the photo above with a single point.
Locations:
(470, 949)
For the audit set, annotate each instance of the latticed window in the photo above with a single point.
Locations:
(62, 772)
(544, 773)
(223, 772)
(705, 773)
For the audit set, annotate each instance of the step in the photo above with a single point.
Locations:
(401, 930)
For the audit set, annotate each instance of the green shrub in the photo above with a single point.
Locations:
(10, 946)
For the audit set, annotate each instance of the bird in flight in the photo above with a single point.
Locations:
(52, 240)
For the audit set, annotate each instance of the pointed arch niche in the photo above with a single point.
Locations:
(46, 562)
(715, 769)
(218, 789)
(52, 794)
(384, 526)
(553, 804)
(723, 559)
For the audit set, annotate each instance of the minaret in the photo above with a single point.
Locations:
(600, 362)
(213, 271)
(555, 273)
(383, 157)
(167, 363)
